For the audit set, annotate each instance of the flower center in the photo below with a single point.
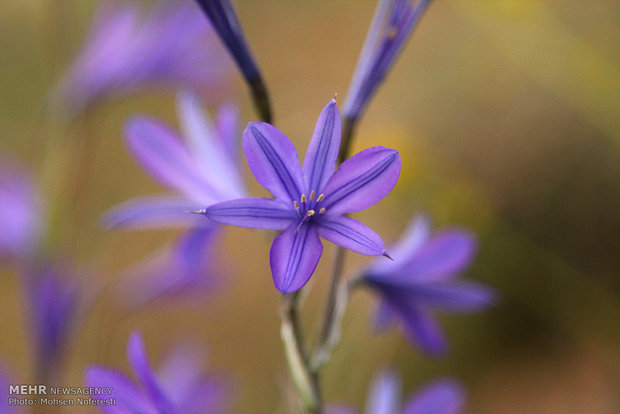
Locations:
(307, 208)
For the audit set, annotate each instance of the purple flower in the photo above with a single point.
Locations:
(21, 212)
(444, 396)
(226, 24)
(54, 300)
(309, 202)
(179, 387)
(422, 278)
(185, 270)
(201, 171)
(173, 46)
(392, 24)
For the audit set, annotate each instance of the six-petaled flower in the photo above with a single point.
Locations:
(309, 202)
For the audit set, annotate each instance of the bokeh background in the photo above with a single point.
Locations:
(507, 116)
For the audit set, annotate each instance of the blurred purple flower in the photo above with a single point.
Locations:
(173, 46)
(224, 21)
(444, 396)
(391, 27)
(202, 171)
(185, 270)
(309, 202)
(53, 299)
(422, 278)
(21, 212)
(179, 387)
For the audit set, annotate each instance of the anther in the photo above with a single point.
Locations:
(312, 194)
(310, 213)
(322, 210)
(303, 198)
(321, 197)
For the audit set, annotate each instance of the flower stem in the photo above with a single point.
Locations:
(260, 97)
(348, 128)
(338, 291)
(304, 379)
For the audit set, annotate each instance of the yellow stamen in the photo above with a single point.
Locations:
(312, 194)
(322, 210)
(321, 197)
(310, 213)
(303, 198)
(296, 204)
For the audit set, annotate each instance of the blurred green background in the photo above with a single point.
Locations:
(507, 116)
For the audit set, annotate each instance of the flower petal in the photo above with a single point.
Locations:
(385, 394)
(459, 297)
(227, 126)
(152, 212)
(129, 399)
(208, 149)
(257, 213)
(362, 180)
(350, 234)
(138, 361)
(273, 161)
(446, 255)
(183, 271)
(445, 396)
(414, 238)
(294, 256)
(160, 152)
(320, 161)
(21, 211)
(419, 324)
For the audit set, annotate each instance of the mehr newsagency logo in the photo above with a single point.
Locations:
(39, 394)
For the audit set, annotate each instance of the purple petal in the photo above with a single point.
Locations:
(385, 394)
(362, 180)
(185, 271)
(227, 126)
(159, 151)
(384, 316)
(207, 148)
(414, 238)
(152, 212)
(446, 255)
(273, 161)
(320, 160)
(181, 371)
(341, 409)
(129, 399)
(209, 396)
(350, 234)
(294, 256)
(459, 297)
(419, 324)
(53, 301)
(256, 213)
(445, 396)
(142, 368)
(20, 211)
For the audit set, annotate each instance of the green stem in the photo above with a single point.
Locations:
(306, 383)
